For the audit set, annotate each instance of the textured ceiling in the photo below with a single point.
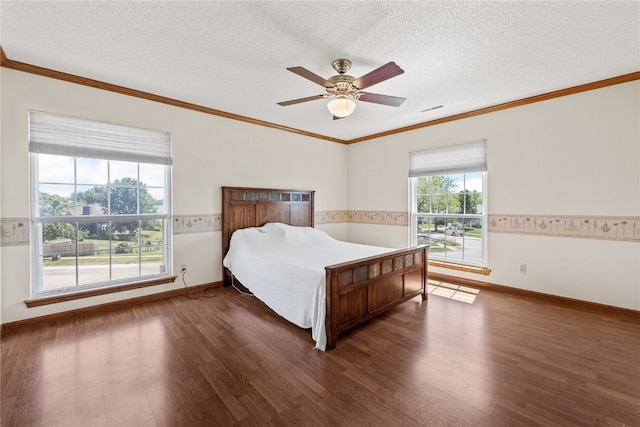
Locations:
(232, 56)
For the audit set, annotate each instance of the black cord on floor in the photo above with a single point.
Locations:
(186, 289)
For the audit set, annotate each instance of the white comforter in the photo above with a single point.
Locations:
(284, 267)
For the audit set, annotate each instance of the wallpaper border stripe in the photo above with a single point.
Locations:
(15, 231)
(619, 228)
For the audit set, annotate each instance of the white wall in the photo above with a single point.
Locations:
(208, 152)
(575, 155)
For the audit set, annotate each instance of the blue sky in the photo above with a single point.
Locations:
(57, 170)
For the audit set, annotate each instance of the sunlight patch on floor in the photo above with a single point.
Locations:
(451, 291)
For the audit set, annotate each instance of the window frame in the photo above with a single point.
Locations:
(413, 229)
(450, 161)
(37, 222)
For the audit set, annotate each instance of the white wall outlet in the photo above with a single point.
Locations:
(183, 267)
(523, 268)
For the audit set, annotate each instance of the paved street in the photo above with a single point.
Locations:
(471, 247)
(63, 276)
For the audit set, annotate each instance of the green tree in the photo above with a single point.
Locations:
(433, 192)
(435, 195)
(95, 196)
(470, 200)
(121, 198)
(125, 193)
(55, 205)
(124, 196)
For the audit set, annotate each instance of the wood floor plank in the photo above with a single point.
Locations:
(486, 359)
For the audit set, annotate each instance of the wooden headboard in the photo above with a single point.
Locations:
(244, 207)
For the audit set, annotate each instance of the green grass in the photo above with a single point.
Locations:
(149, 254)
(100, 260)
(146, 236)
(468, 231)
(473, 232)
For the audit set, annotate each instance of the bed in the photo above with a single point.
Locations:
(319, 282)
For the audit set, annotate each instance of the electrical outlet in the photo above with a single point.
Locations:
(523, 268)
(183, 267)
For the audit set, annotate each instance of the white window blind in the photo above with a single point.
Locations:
(459, 158)
(70, 136)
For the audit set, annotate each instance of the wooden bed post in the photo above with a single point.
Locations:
(425, 293)
(330, 322)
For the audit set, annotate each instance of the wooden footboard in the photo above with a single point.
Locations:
(362, 289)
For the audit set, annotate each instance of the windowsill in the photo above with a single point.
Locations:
(460, 267)
(36, 302)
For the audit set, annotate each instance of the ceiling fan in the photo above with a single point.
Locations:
(345, 88)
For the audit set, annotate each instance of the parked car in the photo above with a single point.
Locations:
(453, 231)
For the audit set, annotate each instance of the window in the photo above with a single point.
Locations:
(101, 208)
(448, 198)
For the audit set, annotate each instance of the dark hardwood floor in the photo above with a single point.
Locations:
(469, 358)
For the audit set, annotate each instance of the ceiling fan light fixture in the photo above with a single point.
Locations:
(341, 107)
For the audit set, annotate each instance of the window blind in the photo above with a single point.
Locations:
(70, 136)
(459, 158)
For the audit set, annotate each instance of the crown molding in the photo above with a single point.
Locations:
(71, 78)
(84, 81)
(625, 78)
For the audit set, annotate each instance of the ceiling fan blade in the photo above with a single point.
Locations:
(303, 72)
(394, 101)
(299, 100)
(337, 118)
(378, 75)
